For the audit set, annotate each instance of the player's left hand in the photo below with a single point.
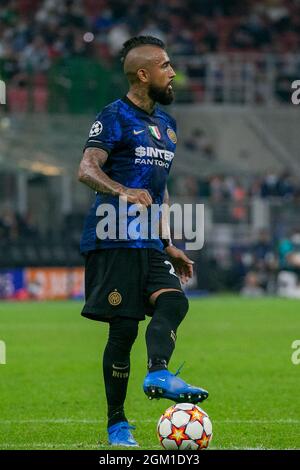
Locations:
(182, 264)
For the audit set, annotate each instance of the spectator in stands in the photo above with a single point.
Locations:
(286, 186)
(200, 143)
(35, 57)
(251, 287)
(238, 197)
(265, 260)
(14, 227)
(289, 252)
(269, 186)
(289, 275)
(213, 26)
(9, 225)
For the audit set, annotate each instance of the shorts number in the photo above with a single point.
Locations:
(172, 270)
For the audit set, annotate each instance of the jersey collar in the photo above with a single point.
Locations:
(130, 103)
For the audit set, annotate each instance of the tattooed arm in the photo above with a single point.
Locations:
(91, 173)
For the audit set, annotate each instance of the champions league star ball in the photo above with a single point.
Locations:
(184, 427)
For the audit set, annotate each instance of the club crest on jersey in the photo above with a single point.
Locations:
(172, 135)
(96, 129)
(155, 132)
(115, 298)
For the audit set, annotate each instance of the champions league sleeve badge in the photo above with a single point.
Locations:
(96, 129)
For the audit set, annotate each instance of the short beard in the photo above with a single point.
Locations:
(161, 96)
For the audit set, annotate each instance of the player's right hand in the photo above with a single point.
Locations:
(137, 196)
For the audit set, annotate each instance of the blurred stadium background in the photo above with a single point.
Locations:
(238, 132)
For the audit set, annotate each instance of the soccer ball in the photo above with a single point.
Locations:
(184, 427)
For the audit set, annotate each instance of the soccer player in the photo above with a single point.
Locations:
(127, 157)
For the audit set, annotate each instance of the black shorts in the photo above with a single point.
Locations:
(119, 282)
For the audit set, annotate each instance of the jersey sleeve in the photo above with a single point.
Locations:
(106, 130)
(174, 124)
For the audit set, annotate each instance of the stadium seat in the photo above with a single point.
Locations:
(18, 99)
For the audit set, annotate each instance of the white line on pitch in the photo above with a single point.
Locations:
(80, 446)
(34, 445)
(101, 420)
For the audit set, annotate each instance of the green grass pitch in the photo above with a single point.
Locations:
(51, 387)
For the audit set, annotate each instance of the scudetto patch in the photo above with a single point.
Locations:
(172, 136)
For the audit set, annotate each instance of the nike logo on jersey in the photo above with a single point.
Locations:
(138, 132)
(162, 380)
(120, 368)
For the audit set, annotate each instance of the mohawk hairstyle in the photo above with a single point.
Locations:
(139, 41)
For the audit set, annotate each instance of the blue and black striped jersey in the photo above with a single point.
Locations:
(140, 149)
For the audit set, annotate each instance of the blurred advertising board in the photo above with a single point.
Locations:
(42, 283)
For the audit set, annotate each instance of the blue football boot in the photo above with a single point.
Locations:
(164, 384)
(119, 435)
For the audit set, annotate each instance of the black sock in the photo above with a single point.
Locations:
(116, 366)
(170, 309)
(155, 363)
(116, 382)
